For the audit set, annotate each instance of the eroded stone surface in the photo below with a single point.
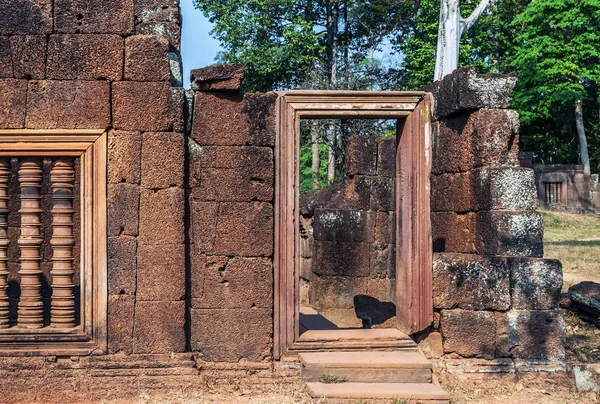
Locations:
(13, 103)
(159, 327)
(218, 78)
(28, 56)
(510, 233)
(161, 272)
(92, 17)
(22, 17)
(469, 333)
(147, 58)
(124, 157)
(122, 265)
(535, 283)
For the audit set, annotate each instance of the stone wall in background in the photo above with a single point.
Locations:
(494, 296)
(113, 65)
(348, 238)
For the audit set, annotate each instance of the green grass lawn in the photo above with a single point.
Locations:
(574, 239)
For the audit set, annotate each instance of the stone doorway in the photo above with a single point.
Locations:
(413, 255)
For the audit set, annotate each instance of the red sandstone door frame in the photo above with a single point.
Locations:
(413, 240)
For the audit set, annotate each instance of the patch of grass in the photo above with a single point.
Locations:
(397, 401)
(574, 239)
(330, 379)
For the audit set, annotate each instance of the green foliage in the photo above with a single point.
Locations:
(306, 177)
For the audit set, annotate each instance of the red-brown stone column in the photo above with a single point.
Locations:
(4, 178)
(31, 310)
(62, 178)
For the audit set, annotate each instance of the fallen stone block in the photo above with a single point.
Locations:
(586, 299)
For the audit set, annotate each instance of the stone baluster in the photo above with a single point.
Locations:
(4, 179)
(62, 179)
(31, 309)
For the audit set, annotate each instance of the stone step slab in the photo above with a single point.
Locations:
(411, 392)
(367, 367)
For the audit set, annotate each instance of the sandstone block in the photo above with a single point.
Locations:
(98, 17)
(384, 290)
(162, 160)
(159, 327)
(218, 78)
(336, 258)
(336, 291)
(247, 335)
(469, 333)
(485, 138)
(204, 217)
(68, 105)
(241, 283)
(234, 120)
(123, 204)
(535, 283)
(383, 193)
(161, 216)
(470, 282)
(510, 233)
(465, 90)
(22, 17)
(350, 194)
(245, 229)
(161, 272)
(145, 106)
(120, 323)
(344, 226)
(386, 156)
(531, 334)
(510, 188)
(28, 56)
(13, 103)
(453, 232)
(6, 65)
(452, 192)
(362, 156)
(171, 30)
(147, 58)
(432, 345)
(122, 265)
(124, 157)
(151, 10)
(382, 260)
(85, 57)
(385, 228)
(585, 296)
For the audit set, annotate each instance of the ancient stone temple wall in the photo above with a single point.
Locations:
(494, 296)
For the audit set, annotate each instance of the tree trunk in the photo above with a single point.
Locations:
(583, 149)
(333, 20)
(316, 161)
(451, 28)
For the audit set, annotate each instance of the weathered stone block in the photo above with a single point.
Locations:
(159, 327)
(124, 157)
(123, 204)
(241, 283)
(85, 57)
(13, 103)
(469, 333)
(384, 290)
(470, 282)
(453, 232)
(120, 323)
(535, 284)
(204, 216)
(28, 56)
(382, 260)
(161, 272)
(235, 120)
(510, 233)
(432, 345)
(336, 291)
(218, 78)
(344, 226)
(385, 228)
(161, 216)
(510, 188)
(452, 192)
(383, 196)
(97, 17)
(350, 194)
(531, 334)
(162, 160)
(171, 30)
(386, 156)
(22, 17)
(145, 106)
(147, 58)
(245, 229)
(585, 296)
(336, 258)
(122, 265)
(247, 334)
(6, 65)
(68, 105)
(361, 158)
(485, 138)
(151, 10)
(232, 173)
(465, 90)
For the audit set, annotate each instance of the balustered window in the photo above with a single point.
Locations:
(552, 193)
(52, 242)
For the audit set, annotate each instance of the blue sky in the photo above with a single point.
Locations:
(198, 49)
